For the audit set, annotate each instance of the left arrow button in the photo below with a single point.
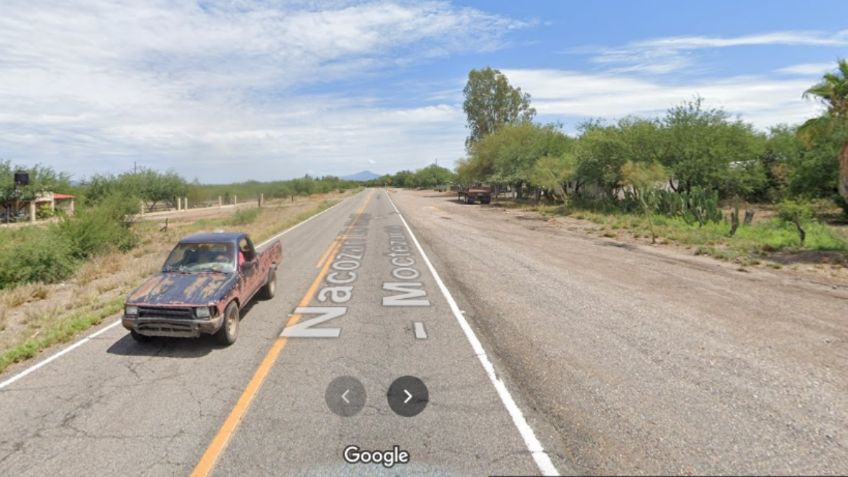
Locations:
(345, 396)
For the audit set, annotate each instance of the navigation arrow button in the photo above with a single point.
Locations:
(408, 396)
(345, 396)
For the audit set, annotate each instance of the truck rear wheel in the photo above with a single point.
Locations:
(228, 333)
(270, 289)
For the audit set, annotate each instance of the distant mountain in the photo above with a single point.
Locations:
(361, 176)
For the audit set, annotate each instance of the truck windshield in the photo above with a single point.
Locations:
(201, 257)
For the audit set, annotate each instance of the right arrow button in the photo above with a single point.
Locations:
(408, 396)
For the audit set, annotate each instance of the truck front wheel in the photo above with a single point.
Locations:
(229, 328)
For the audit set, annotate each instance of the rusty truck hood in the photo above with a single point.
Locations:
(183, 289)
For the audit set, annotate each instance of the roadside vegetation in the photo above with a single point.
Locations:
(249, 191)
(103, 223)
(429, 177)
(62, 277)
(696, 176)
(161, 189)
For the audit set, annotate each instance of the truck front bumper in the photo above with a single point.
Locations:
(173, 327)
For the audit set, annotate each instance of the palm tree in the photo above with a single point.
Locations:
(832, 91)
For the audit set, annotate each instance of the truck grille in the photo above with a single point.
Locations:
(157, 312)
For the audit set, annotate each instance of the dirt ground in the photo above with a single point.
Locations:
(816, 266)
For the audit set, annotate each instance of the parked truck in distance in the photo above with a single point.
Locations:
(205, 282)
(476, 193)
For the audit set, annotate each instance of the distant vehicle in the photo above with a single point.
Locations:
(481, 193)
(205, 282)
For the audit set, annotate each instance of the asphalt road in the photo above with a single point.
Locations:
(170, 407)
(542, 351)
(642, 359)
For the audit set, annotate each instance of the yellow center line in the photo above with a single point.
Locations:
(222, 437)
(326, 253)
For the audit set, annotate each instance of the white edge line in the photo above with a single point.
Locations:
(117, 322)
(303, 222)
(543, 460)
(56, 356)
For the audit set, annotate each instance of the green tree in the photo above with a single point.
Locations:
(782, 151)
(601, 154)
(402, 179)
(645, 140)
(554, 174)
(41, 179)
(151, 186)
(491, 102)
(705, 146)
(432, 176)
(642, 178)
(815, 170)
(832, 91)
(509, 155)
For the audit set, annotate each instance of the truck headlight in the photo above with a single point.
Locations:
(202, 312)
(131, 310)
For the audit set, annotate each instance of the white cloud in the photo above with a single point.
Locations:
(664, 55)
(95, 85)
(574, 95)
(808, 69)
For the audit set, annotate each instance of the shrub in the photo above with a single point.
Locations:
(797, 213)
(36, 255)
(44, 212)
(100, 228)
(52, 253)
(244, 216)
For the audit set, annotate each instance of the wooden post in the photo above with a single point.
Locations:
(185, 203)
(72, 208)
(179, 203)
(220, 201)
(32, 210)
(261, 199)
(235, 199)
(142, 207)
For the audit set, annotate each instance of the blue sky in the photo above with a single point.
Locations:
(253, 89)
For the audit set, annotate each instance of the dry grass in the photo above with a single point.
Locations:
(18, 296)
(36, 316)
